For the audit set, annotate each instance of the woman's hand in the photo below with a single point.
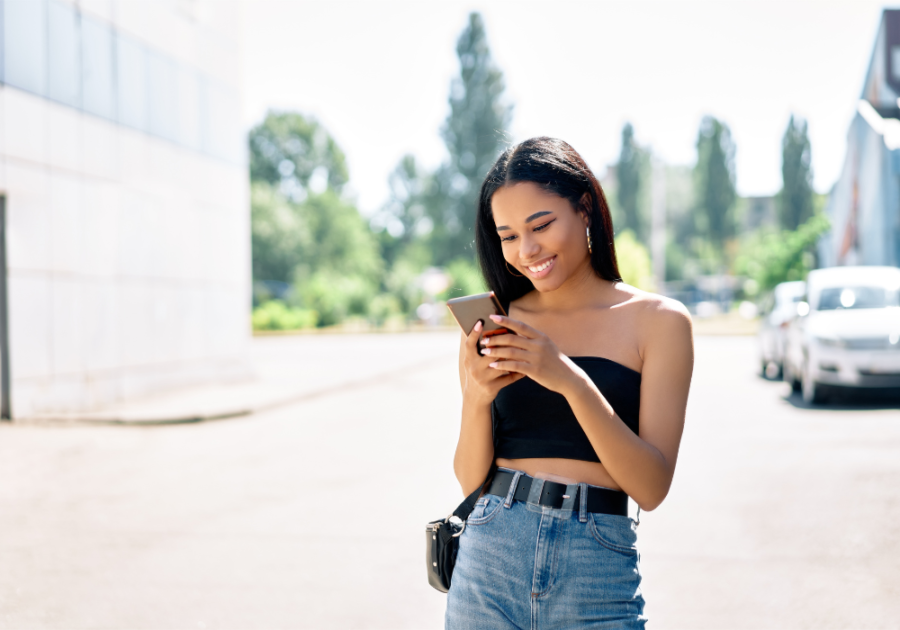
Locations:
(482, 381)
(530, 353)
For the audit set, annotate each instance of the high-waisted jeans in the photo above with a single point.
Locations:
(530, 567)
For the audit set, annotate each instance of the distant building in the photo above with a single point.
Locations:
(864, 205)
(124, 183)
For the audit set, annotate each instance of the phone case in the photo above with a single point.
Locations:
(469, 309)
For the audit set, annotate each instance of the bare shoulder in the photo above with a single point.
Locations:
(658, 316)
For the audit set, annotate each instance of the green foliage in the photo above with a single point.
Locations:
(632, 175)
(276, 315)
(769, 257)
(335, 295)
(474, 132)
(634, 261)
(404, 219)
(795, 201)
(714, 182)
(292, 151)
(291, 240)
(280, 232)
(465, 279)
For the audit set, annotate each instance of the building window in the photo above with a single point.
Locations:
(25, 43)
(64, 54)
(131, 83)
(97, 60)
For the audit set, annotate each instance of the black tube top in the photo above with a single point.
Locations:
(531, 421)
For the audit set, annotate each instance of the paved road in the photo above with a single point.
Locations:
(311, 516)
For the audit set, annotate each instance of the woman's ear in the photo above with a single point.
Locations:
(584, 209)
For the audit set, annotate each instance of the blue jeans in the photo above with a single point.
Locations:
(530, 567)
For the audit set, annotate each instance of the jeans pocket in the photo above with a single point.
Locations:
(485, 509)
(614, 532)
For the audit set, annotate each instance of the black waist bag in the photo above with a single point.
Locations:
(442, 541)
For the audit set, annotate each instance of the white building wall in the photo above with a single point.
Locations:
(128, 249)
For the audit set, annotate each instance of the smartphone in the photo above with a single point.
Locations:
(468, 310)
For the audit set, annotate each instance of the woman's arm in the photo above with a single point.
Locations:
(644, 465)
(479, 384)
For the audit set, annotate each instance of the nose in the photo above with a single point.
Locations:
(528, 248)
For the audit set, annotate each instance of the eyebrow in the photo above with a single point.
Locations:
(528, 220)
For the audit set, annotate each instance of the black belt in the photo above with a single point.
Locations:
(555, 495)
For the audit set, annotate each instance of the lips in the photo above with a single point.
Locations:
(541, 268)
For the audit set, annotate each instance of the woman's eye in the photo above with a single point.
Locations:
(538, 228)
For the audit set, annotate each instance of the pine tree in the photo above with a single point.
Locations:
(795, 201)
(630, 176)
(475, 132)
(714, 182)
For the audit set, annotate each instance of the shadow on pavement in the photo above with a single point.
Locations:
(850, 399)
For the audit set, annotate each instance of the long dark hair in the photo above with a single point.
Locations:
(557, 168)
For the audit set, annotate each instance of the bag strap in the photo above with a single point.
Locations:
(465, 508)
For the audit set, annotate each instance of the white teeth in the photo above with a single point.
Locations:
(540, 268)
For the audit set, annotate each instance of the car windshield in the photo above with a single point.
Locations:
(834, 298)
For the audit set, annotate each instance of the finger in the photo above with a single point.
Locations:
(505, 353)
(512, 366)
(472, 337)
(516, 326)
(512, 341)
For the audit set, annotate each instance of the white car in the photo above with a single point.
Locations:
(777, 311)
(846, 332)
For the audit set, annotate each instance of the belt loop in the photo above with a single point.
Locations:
(582, 508)
(537, 488)
(512, 489)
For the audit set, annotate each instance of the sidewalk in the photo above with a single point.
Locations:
(288, 369)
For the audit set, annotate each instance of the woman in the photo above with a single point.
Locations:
(580, 409)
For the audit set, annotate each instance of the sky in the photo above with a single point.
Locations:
(377, 75)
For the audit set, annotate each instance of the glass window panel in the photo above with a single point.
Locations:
(25, 44)
(189, 108)
(131, 83)
(97, 68)
(834, 298)
(64, 72)
(163, 96)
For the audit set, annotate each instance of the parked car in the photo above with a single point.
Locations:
(777, 311)
(846, 332)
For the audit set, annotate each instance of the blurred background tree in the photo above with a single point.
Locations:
(475, 133)
(634, 261)
(312, 251)
(295, 153)
(770, 256)
(795, 200)
(632, 174)
(714, 181)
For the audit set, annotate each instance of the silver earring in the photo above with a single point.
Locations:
(587, 230)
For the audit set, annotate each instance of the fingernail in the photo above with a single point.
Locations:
(494, 364)
(478, 325)
(486, 351)
(496, 318)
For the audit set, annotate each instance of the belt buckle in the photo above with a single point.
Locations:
(537, 490)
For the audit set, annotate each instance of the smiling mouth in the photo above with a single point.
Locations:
(541, 269)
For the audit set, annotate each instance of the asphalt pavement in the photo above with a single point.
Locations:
(310, 514)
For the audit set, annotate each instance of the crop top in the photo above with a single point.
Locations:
(529, 420)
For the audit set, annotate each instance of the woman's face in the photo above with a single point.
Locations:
(542, 236)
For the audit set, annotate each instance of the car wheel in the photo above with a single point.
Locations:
(813, 393)
(788, 376)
